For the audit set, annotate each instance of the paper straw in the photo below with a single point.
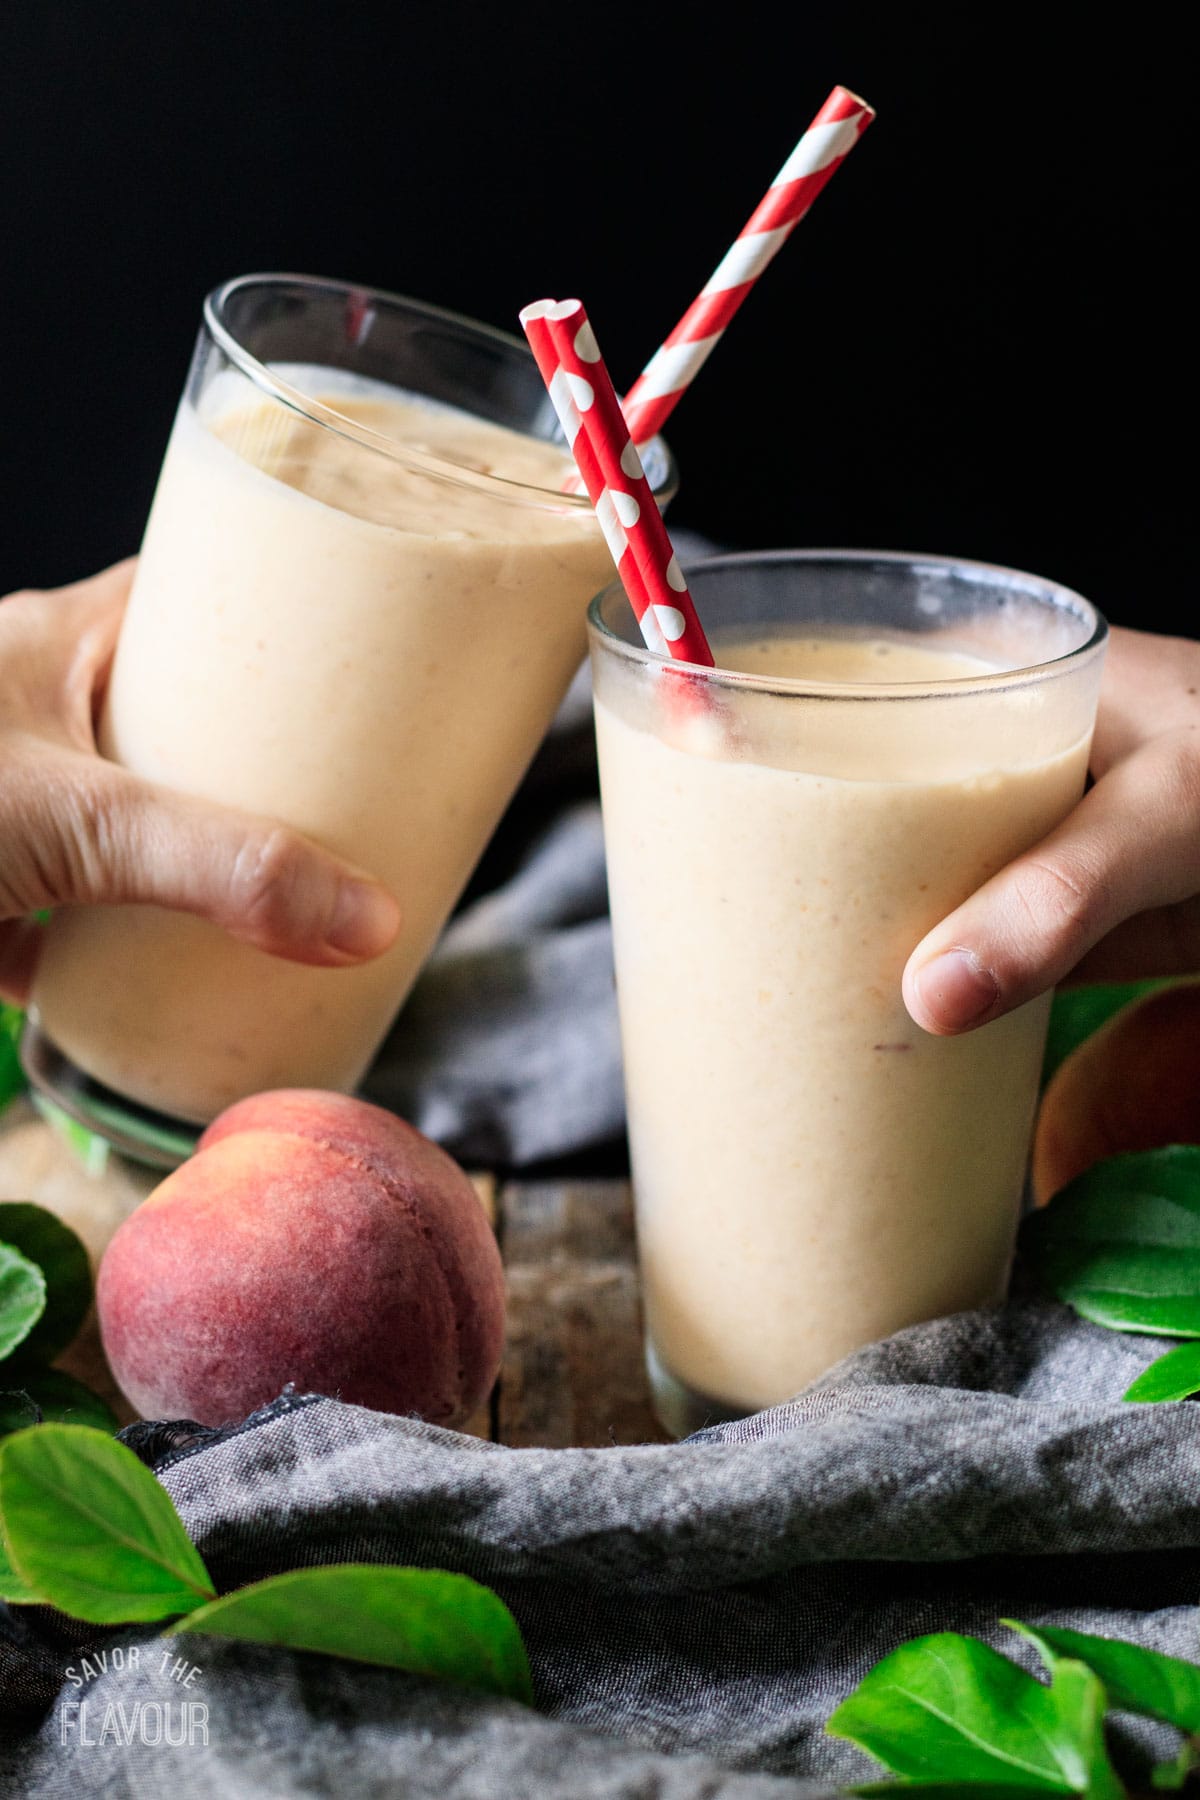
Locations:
(626, 490)
(534, 321)
(585, 400)
(823, 149)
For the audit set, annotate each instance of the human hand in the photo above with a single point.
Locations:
(77, 829)
(1113, 892)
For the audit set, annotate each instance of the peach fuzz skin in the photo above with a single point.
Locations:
(311, 1239)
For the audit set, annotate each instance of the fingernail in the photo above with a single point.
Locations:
(365, 919)
(956, 990)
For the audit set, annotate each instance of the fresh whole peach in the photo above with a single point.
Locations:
(312, 1239)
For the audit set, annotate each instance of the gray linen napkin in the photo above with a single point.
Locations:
(693, 1611)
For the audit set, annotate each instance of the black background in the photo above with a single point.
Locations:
(973, 344)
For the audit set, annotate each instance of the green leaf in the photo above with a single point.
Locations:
(1121, 1243)
(424, 1620)
(1136, 1680)
(952, 1790)
(22, 1297)
(1082, 1703)
(12, 1588)
(45, 1240)
(90, 1528)
(54, 1395)
(1173, 1774)
(17, 1411)
(12, 1076)
(1079, 1011)
(1172, 1377)
(950, 1709)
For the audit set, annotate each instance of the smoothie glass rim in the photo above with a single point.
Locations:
(1052, 593)
(286, 393)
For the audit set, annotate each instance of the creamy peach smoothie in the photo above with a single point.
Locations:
(811, 1170)
(352, 644)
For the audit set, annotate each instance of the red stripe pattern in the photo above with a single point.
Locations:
(534, 320)
(821, 151)
(568, 357)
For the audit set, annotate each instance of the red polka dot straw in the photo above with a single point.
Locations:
(671, 370)
(535, 321)
(568, 356)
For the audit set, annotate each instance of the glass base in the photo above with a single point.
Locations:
(137, 1132)
(681, 1409)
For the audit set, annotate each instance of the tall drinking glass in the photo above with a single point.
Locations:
(360, 598)
(882, 734)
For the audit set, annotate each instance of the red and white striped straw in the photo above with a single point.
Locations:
(534, 320)
(568, 356)
(823, 149)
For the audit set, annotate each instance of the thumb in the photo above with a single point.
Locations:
(104, 836)
(1131, 844)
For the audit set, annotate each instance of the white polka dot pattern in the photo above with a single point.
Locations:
(564, 346)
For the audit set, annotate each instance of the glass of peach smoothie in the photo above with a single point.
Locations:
(882, 733)
(360, 598)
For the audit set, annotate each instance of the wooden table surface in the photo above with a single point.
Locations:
(572, 1370)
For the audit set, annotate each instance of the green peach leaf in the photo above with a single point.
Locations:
(57, 1251)
(55, 1396)
(12, 1588)
(427, 1621)
(1121, 1243)
(1172, 1775)
(1136, 1680)
(951, 1790)
(17, 1410)
(949, 1709)
(22, 1297)
(1174, 1376)
(91, 1529)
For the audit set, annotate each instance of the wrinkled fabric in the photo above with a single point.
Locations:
(693, 1611)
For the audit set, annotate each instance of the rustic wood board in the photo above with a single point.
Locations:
(572, 1370)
